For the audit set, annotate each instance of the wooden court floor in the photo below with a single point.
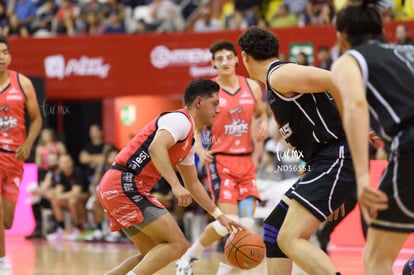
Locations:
(38, 257)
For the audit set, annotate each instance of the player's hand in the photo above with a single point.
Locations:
(23, 151)
(230, 224)
(335, 214)
(370, 200)
(375, 140)
(183, 196)
(261, 132)
(205, 156)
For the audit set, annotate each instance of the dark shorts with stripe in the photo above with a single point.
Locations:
(123, 202)
(398, 183)
(329, 181)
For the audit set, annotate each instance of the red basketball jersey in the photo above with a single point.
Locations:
(12, 114)
(135, 155)
(231, 131)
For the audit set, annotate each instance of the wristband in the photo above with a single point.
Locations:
(217, 213)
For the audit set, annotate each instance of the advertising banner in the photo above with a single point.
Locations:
(91, 67)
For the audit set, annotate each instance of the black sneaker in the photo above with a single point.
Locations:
(37, 234)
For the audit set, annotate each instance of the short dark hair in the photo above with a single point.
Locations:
(361, 22)
(222, 45)
(200, 87)
(260, 43)
(3, 39)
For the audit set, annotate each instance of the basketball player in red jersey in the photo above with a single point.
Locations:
(17, 96)
(231, 170)
(124, 192)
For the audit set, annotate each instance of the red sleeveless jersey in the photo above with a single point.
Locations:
(231, 131)
(12, 114)
(136, 158)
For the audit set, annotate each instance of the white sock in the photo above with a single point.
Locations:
(195, 250)
(131, 273)
(224, 269)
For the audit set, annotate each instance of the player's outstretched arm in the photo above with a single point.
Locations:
(347, 77)
(197, 190)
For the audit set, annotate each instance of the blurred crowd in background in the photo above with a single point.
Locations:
(91, 17)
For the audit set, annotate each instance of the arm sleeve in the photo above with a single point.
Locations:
(177, 124)
(189, 159)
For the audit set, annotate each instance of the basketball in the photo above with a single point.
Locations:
(244, 249)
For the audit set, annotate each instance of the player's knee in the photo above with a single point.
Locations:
(284, 240)
(270, 236)
(221, 230)
(272, 225)
(180, 248)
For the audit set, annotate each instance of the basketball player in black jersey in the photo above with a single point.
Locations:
(376, 84)
(309, 121)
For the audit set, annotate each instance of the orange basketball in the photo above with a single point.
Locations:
(244, 249)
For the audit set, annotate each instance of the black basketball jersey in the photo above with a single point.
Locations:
(388, 74)
(305, 121)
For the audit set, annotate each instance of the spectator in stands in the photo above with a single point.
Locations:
(315, 8)
(15, 28)
(65, 18)
(114, 14)
(93, 202)
(92, 24)
(90, 17)
(298, 8)
(302, 59)
(324, 58)
(114, 24)
(402, 35)
(4, 20)
(140, 26)
(236, 21)
(206, 22)
(42, 193)
(249, 9)
(43, 25)
(166, 16)
(24, 11)
(283, 18)
(325, 16)
(48, 144)
(92, 153)
(71, 193)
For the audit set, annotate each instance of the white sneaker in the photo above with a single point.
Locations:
(5, 268)
(57, 235)
(113, 237)
(97, 235)
(184, 267)
(74, 235)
